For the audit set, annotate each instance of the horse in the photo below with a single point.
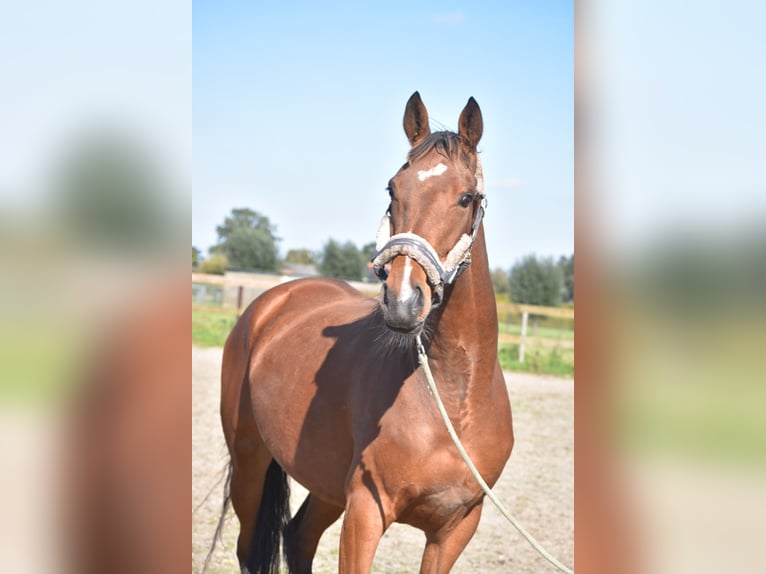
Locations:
(321, 383)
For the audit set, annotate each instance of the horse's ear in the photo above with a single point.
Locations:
(470, 126)
(416, 120)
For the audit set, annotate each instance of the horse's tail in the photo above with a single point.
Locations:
(221, 519)
(273, 516)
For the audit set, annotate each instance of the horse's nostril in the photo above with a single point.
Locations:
(385, 293)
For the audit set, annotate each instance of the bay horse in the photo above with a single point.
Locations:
(321, 383)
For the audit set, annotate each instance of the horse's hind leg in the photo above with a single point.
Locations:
(250, 460)
(259, 491)
(304, 531)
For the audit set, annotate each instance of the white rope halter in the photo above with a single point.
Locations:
(439, 272)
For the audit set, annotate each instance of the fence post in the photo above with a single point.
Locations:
(240, 293)
(201, 293)
(524, 319)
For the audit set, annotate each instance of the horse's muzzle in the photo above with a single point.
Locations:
(403, 316)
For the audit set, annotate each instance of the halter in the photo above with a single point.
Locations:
(439, 273)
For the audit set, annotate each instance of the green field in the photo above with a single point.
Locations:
(211, 326)
(540, 360)
(541, 332)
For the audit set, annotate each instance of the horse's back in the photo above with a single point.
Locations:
(285, 309)
(288, 304)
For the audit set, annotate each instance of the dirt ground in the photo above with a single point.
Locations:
(537, 486)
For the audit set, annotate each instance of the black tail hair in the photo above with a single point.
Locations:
(273, 515)
(224, 508)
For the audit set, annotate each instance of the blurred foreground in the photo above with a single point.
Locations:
(671, 212)
(94, 209)
(684, 406)
(94, 377)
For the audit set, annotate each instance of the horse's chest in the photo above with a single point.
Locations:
(436, 508)
(428, 481)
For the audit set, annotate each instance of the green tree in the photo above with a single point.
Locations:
(302, 256)
(368, 251)
(566, 264)
(248, 240)
(500, 281)
(214, 265)
(195, 257)
(536, 281)
(343, 261)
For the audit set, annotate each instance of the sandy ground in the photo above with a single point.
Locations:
(537, 486)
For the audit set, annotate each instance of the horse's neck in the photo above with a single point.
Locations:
(466, 330)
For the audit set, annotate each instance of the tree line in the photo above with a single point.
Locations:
(247, 241)
(535, 280)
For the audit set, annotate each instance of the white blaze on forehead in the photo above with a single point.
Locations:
(405, 289)
(438, 169)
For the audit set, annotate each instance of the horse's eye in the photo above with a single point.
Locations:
(465, 200)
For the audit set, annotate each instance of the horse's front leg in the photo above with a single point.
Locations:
(364, 524)
(444, 547)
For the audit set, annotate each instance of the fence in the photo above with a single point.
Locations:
(560, 331)
(550, 326)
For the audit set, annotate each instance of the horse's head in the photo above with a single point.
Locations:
(437, 202)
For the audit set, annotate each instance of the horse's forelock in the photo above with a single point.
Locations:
(446, 144)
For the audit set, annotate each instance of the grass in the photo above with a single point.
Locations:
(541, 332)
(539, 360)
(211, 325)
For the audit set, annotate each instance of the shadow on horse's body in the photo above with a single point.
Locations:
(316, 383)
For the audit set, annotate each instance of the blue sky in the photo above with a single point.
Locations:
(297, 113)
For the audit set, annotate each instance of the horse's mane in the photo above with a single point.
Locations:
(445, 143)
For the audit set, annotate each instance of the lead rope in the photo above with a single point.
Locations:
(423, 360)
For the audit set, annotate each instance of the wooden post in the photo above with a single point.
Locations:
(240, 293)
(524, 319)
